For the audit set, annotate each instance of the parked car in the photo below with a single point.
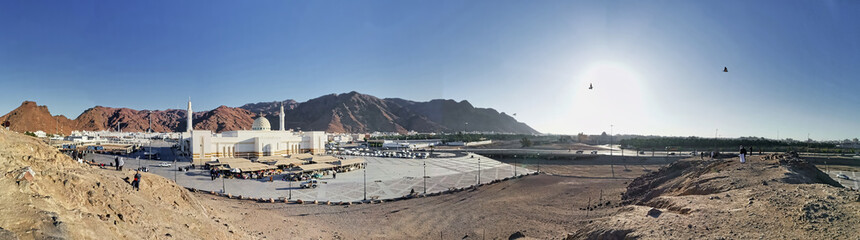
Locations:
(310, 184)
(164, 164)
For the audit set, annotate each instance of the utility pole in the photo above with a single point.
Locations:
(611, 139)
(425, 177)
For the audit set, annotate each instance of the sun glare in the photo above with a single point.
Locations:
(616, 97)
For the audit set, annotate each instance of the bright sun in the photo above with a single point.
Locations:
(618, 98)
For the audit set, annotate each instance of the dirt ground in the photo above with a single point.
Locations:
(599, 197)
(64, 199)
(548, 206)
(784, 198)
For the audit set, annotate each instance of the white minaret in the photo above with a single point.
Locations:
(281, 115)
(190, 113)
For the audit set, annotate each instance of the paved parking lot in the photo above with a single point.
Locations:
(385, 177)
(852, 183)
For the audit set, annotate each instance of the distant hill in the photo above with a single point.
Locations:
(345, 113)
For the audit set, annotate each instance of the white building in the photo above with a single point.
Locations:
(40, 134)
(257, 142)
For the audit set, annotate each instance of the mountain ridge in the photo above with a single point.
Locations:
(351, 112)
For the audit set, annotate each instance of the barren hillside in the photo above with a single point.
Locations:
(778, 197)
(68, 200)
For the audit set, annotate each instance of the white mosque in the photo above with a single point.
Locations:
(257, 142)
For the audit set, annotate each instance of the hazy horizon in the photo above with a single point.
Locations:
(656, 68)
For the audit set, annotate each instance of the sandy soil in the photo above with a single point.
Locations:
(543, 207)
(68, 200)
(599, 197)
(781, 198)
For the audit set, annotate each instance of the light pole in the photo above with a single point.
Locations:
(716, 134)
(425, 176)
(515, 165)
(223, 185)
(479, 170)
(291, 185)
(611, 139)
(365, 181)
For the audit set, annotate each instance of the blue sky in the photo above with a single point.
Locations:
(656, 65)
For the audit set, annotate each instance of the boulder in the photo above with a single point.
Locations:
(516, 235)
(654, 212)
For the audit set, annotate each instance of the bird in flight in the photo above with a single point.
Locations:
(725, 69)
(590, 87)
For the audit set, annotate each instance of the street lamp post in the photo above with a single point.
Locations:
(479, 170)
(365, 181)
(425, 176)
(223, 185)
(515, 165)
(611, 139)
(290, 197)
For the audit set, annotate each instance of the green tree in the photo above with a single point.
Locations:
(526, 142)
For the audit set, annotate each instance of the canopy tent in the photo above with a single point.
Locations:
(226, 161)
(250, 166)
(349, 162)
(231, 160)
(302, 156)
(221, 168)
(269, 159)
(324, 159)
(315, 167)
(288, 162)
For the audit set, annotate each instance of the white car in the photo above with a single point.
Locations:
(164, 164)
(310, 184)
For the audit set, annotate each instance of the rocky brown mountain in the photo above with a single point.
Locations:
(345, 113)
(356, 112)
(30, 117)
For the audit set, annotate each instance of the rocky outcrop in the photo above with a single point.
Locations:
(30, 117)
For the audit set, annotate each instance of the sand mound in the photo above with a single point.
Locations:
(773, 197)
(67, 200)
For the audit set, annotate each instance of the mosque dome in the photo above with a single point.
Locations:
(261, 124)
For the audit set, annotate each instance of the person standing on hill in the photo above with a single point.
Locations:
(136, 183)
(743, 154)
(120, 163)
(116, 162)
